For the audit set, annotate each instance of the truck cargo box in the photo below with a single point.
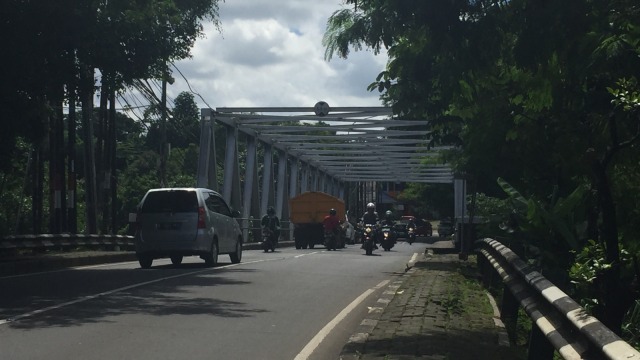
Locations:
(306, 212)
(312, 206)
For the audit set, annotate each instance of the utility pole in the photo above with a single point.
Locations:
(114, 175)
(163, 133)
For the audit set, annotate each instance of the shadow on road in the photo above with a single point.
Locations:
(170, 294)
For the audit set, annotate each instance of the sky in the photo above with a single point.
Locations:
(269, 53)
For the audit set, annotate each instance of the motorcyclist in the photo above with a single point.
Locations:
(388, 221)
(370, 217)
(331, 223)
(388, 218)
(411, 225)
(271, 222)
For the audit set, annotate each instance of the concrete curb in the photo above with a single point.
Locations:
(355, 346)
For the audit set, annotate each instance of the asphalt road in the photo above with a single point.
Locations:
(291, 304)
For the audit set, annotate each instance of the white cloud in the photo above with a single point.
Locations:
(270, 54)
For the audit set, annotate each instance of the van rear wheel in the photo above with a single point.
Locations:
(145, 261)
(236, 257)
(176, 259)
(211, 259)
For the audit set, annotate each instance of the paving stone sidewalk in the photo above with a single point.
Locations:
(436, 310)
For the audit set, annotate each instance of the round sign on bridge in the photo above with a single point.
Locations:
(321, 108)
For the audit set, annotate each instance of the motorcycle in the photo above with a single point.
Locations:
(368, 238)
(411, 235)
(387, 238)
(267, 240)
(330, 240)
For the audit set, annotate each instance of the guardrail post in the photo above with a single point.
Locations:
(539, 346)
(509, 309)
(486, 271)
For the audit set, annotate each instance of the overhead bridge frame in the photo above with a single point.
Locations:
(348, 147)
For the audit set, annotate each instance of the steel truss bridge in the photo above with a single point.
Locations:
(303, 149)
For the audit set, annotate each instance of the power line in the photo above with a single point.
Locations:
(189, 86)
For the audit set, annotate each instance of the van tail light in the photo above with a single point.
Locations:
(201, 222)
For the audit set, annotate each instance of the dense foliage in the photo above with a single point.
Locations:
(543, 95)
(53, 134)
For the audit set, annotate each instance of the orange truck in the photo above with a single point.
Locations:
(306, 212)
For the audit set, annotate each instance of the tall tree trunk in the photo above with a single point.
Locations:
(163, 135)
(56, 162)
(102, 165)
(86, 94)
(37, 188)
(53, 216)
(19, 228)
(616, 299)
(72, 212)
(114, 176)
(60, 160)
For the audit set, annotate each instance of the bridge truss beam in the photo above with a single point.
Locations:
(348, 150)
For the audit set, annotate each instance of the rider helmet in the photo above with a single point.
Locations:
(271, 210)
(371, 206)
(389, 213)
(332, 212)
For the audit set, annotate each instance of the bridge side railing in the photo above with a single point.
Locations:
(64, 241)
(110, 242)
(558, 322)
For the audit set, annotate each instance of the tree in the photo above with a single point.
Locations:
(50, 60)
(530, 91)
(430, 199)
(184, 125)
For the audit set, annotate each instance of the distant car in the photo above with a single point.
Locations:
(400, 228)
(445, 228)
(349, 232)
(178, 222)
(423, 227)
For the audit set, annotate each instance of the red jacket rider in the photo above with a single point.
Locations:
(331, 222)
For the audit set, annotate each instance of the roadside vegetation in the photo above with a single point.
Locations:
(465, 299)
(542, 105)
(56, 144)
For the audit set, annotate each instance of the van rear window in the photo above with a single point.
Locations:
(170, 201)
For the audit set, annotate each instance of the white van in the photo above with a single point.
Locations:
(178, 222)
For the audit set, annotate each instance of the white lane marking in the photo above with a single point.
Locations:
(311, 253)
(413, 260)
(315, 342)
(91, 297)
(68, 269)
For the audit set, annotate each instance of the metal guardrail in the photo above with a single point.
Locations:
(44, 241)
(65, 241)
(559, 322)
